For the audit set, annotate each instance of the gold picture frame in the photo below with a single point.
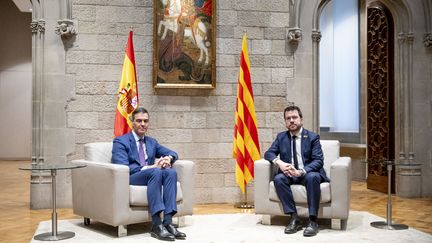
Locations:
(184, 39)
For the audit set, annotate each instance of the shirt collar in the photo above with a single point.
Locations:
(136, 136)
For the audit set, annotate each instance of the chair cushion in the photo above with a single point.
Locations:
(299, 192)
(138, 195)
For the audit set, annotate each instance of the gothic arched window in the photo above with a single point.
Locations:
(339, 72)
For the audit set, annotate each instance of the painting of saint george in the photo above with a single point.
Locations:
(184, 44)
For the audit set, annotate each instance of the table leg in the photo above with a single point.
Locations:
(54, 235)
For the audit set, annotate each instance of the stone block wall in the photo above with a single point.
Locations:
(198, 124)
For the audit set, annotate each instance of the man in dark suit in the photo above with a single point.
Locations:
(150, 165)
(300, 161)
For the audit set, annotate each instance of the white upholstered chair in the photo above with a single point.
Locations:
(335, 196)
(101, 190)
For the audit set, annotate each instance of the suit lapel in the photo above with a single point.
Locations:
(304, 136)
(134, 148)
(288, 135)
(149, 150)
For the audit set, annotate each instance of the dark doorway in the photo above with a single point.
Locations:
(380, 96)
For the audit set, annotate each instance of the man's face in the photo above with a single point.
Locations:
(293, 121)
(140, 124)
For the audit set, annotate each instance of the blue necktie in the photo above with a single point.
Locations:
(141, 152)
(294, 149)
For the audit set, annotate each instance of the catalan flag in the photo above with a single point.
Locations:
(245, 145)
(127, 94)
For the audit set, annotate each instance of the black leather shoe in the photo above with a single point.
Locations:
(311, 229)
(161, 233)
(293, 226)
(173, 230)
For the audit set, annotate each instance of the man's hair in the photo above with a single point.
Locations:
(138, 110)
(293, 108)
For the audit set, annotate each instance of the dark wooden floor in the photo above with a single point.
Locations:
(18, 223)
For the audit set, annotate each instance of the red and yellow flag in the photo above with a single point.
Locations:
(245, 145)
(127, 94)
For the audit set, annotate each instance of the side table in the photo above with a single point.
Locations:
(54, 235)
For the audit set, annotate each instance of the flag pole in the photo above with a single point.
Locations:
(244, 204)
(245, 148)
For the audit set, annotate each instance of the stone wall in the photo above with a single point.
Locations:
(198, 124)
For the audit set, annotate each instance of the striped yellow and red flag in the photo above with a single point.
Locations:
(245, 145)
(127, 99)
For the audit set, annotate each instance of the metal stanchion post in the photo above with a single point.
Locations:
(383, 224)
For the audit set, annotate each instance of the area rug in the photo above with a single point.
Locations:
(241, 228)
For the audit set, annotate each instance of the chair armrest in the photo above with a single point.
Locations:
(101, 191)
(262, 178)
(340, 182)
(185, 175)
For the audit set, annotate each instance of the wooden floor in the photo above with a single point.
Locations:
(18, 222)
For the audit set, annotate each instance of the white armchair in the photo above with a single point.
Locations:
(335, 196)
(101, 190)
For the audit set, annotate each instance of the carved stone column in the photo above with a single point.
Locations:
(39, 181)
(316, 38)
(51, 139)
(408, 171)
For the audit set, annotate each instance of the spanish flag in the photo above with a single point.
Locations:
(245, 145)
(127, 94)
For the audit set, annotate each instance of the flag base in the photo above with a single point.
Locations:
(244, 205)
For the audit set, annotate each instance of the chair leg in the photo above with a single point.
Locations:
(339, 224)
(343, 224)
(266, 219)
(122, 230)
(86, 221)
(179, 221)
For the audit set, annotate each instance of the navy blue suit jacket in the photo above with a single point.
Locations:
(125, 152)
(312, 155)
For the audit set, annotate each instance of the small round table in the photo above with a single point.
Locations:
(54, 235)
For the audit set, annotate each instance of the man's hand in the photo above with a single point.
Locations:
(296, 173)
(288, 169)
(164, 162)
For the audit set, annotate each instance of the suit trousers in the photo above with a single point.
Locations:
(311, 181)
(161, 189)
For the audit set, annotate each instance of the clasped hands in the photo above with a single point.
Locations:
(288, 169)
(163, 162)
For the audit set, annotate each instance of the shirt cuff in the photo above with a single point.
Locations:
(274, 160)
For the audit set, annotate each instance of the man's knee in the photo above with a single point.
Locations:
(313, 177)
(279, 179)
(156, 173)
(169, 173)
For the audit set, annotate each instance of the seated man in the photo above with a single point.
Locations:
(139, 152)
(301, 162)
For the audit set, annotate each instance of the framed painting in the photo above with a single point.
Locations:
(184, 44)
